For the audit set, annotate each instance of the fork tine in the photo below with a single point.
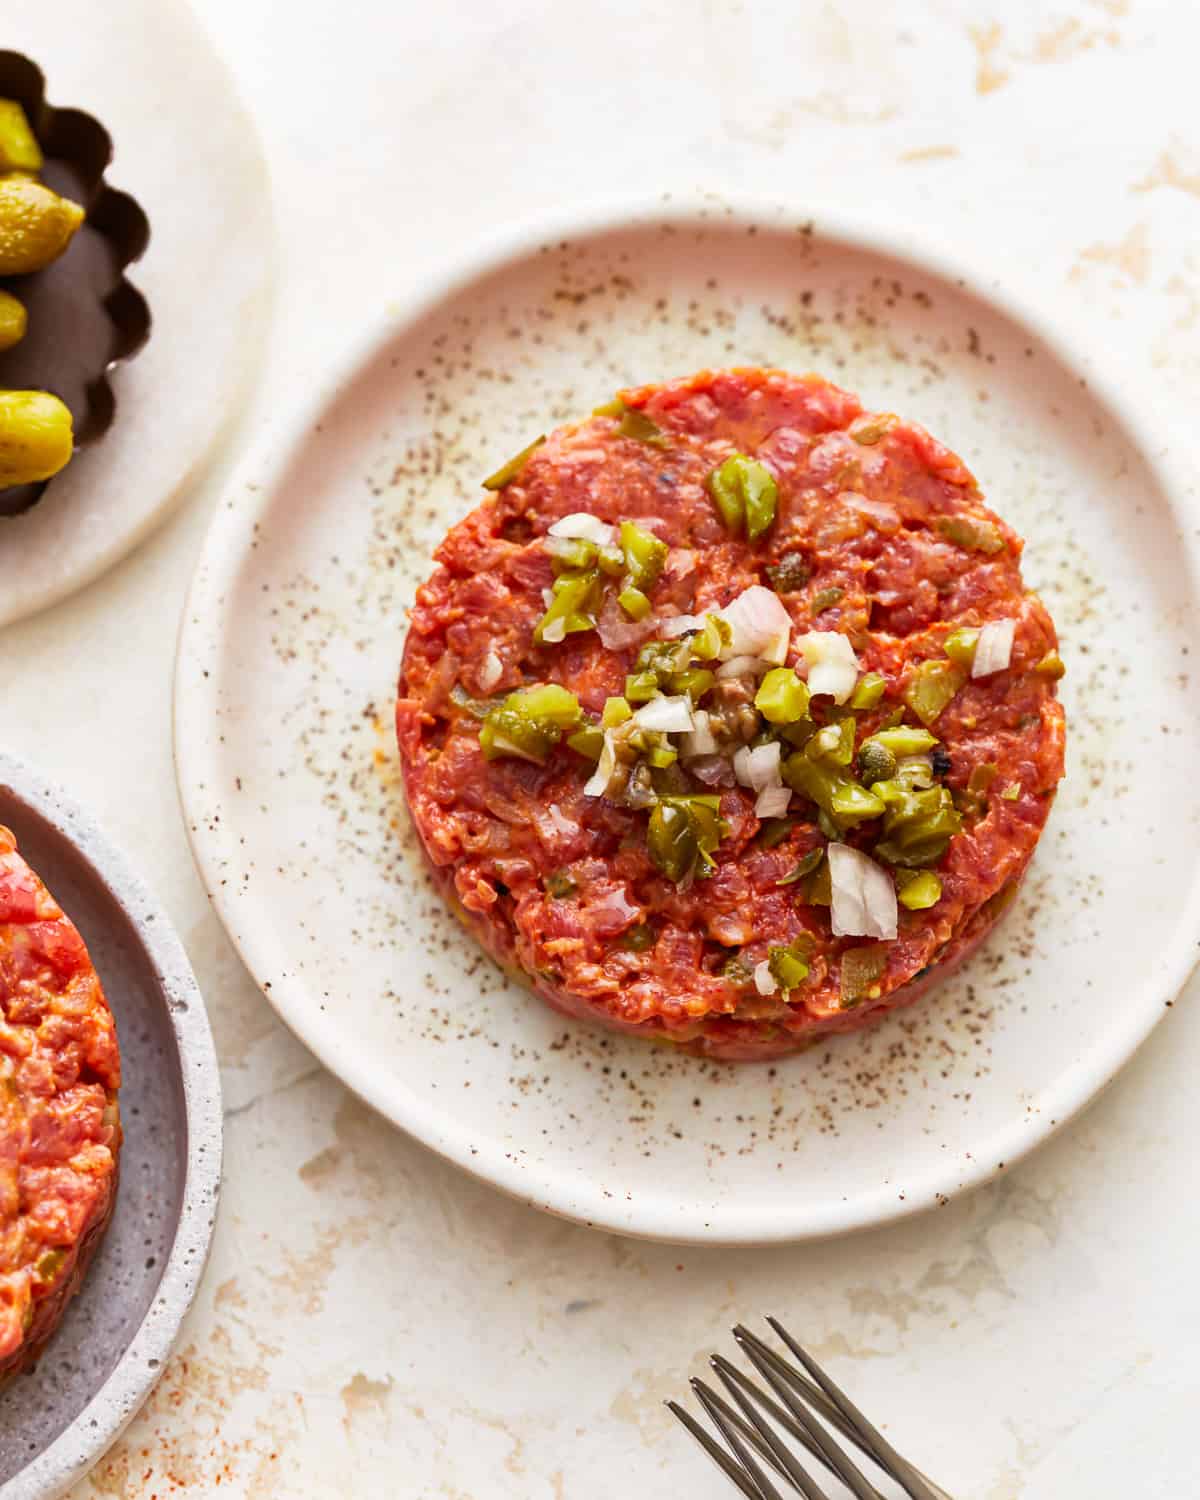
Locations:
(719, 1413)
(793, 1470)
(714, 1450)
(870, 1437)
(835, 1459)
(756, 1351)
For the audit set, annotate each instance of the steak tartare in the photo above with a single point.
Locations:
(60, 1131)
(726, 718)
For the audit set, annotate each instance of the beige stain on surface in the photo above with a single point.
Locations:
(930, 153)
(1169, 172)
(361, 1394)
(1061, 42)
(1129, 257)
(989, 75)
(307, 1276)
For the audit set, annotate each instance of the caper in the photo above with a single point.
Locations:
(790, 573)
(875, 762)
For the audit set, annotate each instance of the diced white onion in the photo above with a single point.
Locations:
(773, 802)
(764, 980)
(605, 766)
(758, 768)
(832, 664)
(585, 527)
(671, 715)
(739, 666)
(712, 770)
(490, 672)
(680, 625)
(863, 895)
(993, 650)
(556, 630)
(759, 625)
(547, 597)
(680, 562)
(699, 739)
(562, 823)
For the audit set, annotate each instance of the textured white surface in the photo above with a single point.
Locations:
(184, 148)
(375, 1323)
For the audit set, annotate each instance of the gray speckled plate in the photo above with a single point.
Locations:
(106, 1356)
(288, 770)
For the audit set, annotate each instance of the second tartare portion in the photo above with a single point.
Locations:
(726, 718)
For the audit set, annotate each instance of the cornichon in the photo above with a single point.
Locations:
(903, 739)
(573, 607)
(1051, 665)
(636, 424)
(36, 438)
(960, 645)
(804, 866)
(782, 698)
(506, 473)
(13, 320)
(634, 603)
(745, 495)
(588, 741)
(616, 711)
(36, 225)
(834, 743)
(695, 682)
(529, 723)
(19, 150)
(931, 687)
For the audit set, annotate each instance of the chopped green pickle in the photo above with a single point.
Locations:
(1051, 665)
(529, 723)
(903, 739)
(644, 555)
(782, 698)
(640, 687)
(19, 150)
(790, 573)
(506, 473)
(931, 688)
(683, 835)
(576, 596)
(868, 690)
(614, 408)
(862, 969)
(588, 741)
(844, 801)
(636, 424)
(611, 560)
(918, 891)
(634, 603)
(1012, 791)
(875, 762)
(804, 866)
(695, 682)
(638, 939)
(918, 823)
(787, 965)
(745, 495)
(960, 645)
(616, 711)
(661, 756)
(817, 887)
(774, 831)
(706, 644)
(575, 553)
(971, 533)
(558, 884)
(982, 776)
(825, 599)
(50, 1264)
(833, 744)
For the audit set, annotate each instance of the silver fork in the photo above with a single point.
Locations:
(803, 1395)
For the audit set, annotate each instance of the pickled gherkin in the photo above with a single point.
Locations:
(745, 495)
(529, 723)
(36, 225)
(36, 436)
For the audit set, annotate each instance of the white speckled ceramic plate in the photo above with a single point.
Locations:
(289, 774)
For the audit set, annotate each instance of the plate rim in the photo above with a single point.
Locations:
(100, 1423)
(196, 705)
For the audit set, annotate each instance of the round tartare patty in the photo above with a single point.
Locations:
(60, 1131)
(726, 718)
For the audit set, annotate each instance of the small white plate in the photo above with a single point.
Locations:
(288, 770)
